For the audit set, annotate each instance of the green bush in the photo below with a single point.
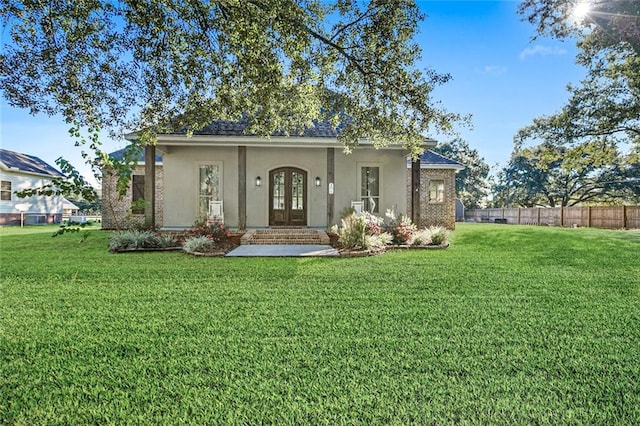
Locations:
(132, 239)
(167, 241)
(199, 244)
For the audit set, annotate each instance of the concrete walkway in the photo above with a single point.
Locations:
(283, 250)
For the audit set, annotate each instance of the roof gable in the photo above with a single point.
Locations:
(17, 161)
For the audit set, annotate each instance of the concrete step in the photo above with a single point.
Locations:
(282, 236)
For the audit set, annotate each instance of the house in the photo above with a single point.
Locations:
(19, 172)
(281, 181)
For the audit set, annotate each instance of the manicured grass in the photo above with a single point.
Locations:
(510, 325)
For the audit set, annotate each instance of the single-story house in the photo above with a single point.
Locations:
(283, 181)
(19, 172)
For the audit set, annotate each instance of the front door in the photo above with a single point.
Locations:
(288, 197)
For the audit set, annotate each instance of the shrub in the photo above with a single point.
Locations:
(214, 230)
(167, 241)
(353, 232)
(133, 239)
(346, 212)
(378, 242)
(401, 228)
(422, 237)
(439, 235)
(373, 224)
(200, 244)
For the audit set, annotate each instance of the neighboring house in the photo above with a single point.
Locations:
(301, 181)
(117, 211)
(70, 209)
(19, 172)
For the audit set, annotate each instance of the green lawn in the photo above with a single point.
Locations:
(510, 325)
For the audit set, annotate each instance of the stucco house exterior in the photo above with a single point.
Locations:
(18, 172)
(251, 182)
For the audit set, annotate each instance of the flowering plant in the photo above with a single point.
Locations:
(373, 223)
(214, 230)
(401, 228)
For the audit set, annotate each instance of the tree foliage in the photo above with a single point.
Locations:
(607, 102)
(164, 65)
(554, 175)
(472, 183)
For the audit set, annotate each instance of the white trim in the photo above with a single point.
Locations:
(165, 141)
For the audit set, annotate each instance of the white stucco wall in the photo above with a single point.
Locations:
(392, 165)
(181, 177)
(181, 183)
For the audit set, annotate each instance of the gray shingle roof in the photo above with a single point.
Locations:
(27, 163)
(119, 154)
(320, 129)
(433, 158)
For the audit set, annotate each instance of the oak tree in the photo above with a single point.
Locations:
(472, 183)
(164, 65)
(607, 101)
(553, 175)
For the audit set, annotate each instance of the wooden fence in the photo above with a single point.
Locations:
(595, 217)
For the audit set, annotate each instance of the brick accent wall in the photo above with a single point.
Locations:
(435, 214)
(116, 212)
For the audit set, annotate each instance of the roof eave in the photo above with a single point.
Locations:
(164, 142)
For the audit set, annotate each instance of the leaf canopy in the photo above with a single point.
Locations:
(175, 64)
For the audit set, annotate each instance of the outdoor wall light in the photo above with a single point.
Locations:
(258, 181)
(318, 182)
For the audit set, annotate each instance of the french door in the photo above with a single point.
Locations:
(287, 197)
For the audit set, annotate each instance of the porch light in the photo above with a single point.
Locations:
(318, 182)
(258, 181)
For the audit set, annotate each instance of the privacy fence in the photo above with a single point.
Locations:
(594, 217)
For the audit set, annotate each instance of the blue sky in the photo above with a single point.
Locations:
(500, 76)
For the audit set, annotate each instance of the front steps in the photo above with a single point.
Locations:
(285, 236)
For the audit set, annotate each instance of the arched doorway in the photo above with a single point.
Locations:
(287, 197)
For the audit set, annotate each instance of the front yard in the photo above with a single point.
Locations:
(509, 325)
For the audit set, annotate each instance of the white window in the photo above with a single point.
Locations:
(5, 190)
(370, 184)
(209, 186)
(436, 191)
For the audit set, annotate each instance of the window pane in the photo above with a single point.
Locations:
(278, 191)
(137, 190)
(5, 190)
(370, 188)
(297, 191)
(209, 186)
(436, 191)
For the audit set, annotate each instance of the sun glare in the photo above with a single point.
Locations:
(581, 10)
